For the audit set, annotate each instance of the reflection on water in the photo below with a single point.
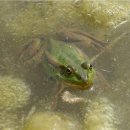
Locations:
(22, 21)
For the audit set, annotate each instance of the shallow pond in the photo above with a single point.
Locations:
(27, 90)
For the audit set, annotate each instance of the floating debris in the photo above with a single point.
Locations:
(70, 98)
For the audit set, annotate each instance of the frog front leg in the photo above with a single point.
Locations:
(59, 89)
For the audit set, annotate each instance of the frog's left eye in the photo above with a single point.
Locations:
(85, 65)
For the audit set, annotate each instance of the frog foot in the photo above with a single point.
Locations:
(75, 35)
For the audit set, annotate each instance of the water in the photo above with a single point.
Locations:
(24, 20)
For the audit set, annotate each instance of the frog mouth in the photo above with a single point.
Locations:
(81, 86)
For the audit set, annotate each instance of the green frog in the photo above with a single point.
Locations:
(62, 58)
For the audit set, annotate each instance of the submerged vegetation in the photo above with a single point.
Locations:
(14, 93)
(21, 21)
(100, 115)
(45, 17)
(102, 13)
(49, 121)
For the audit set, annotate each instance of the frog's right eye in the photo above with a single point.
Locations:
(66, 70)
(69, 70)
(85, 65)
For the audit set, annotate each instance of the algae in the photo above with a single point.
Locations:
(14, 93)
(47, 17)
(100, 115)
(103, 13)
(49, 121)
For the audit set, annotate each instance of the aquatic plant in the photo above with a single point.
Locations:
(100, 115)
(46, 17)
(102, 13)
(43, 17)
(8, 120)
(14, 93)
(49, 121)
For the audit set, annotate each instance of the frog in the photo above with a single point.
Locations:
(63, 59)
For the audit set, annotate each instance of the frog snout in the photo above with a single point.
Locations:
(84, 78)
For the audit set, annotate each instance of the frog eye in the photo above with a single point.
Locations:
(69, 70)
(90, 66)
(66, 70)
(85, 65)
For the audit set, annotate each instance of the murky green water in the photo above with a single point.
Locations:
(24, 20)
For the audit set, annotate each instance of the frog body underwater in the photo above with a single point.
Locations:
(62, 59)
